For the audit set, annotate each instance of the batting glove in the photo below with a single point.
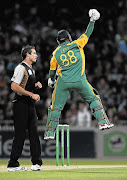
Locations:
(94, 15)
(51, 83)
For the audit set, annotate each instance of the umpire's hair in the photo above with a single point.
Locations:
(26, 49)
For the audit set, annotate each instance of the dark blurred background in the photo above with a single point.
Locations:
(37, 23)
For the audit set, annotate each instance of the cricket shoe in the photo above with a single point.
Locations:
(105, 126)
(12, 169)
(49, 135)
(36, 167)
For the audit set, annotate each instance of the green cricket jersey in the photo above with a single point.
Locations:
(69, 58)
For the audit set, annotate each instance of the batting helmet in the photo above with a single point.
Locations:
(63, 35)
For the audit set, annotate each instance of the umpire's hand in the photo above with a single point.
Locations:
(36, 97)
(38, 85)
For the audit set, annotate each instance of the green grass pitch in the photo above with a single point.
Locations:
(84, 169)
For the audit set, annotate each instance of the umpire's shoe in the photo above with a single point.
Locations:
(14, 165)
(11, 169)
(36, 167)
(49, 135)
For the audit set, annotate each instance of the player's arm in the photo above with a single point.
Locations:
(94, 15)
(53, 67)
(18, 89)
(83, 39)
(89, 29)
(52, 72)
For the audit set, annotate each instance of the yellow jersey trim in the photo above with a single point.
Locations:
(83, 60)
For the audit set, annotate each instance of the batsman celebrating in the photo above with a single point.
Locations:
(69, 61)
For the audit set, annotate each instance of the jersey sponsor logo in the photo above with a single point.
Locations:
(30, 72)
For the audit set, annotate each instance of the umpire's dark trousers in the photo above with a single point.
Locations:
(25, 118)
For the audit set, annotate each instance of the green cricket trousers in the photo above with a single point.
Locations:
(85, 90)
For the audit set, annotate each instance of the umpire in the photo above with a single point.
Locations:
(25, 117)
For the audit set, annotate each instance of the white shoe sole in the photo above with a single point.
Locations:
(12, 169)
(106, 127)
(39, 169)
